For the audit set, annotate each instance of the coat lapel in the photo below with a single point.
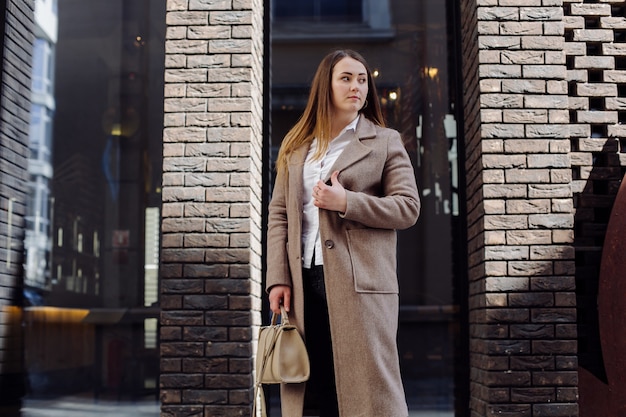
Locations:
(355, 150)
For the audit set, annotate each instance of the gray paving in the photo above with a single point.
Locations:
(84, 407)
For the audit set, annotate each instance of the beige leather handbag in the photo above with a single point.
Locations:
(281, 358)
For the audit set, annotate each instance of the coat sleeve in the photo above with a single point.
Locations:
(277, 259)
(399, 205)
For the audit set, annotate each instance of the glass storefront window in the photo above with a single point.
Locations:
(416, 71)
(319, 10)
(92, 238)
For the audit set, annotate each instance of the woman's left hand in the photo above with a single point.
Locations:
(330, 197)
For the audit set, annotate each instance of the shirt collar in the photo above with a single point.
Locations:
(351, 125)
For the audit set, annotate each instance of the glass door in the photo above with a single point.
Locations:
(432, 253)
(411, 47)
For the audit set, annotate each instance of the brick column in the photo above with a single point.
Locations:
(520, 210)
(17, 45)
(211, 263)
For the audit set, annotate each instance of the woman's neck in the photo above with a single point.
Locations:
(339, 122)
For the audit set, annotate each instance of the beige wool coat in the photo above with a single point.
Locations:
(359, 252)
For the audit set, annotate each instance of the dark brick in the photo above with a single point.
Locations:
(181, 318)
(567, 362)
(227, 256)
(205, 302)
(554, 346)
(565, 299)
(489, 331)
(181, 381)
(531, 299)
(170, 271)
(566, 331)
(182, 286)
(169, 333)
(179, 255)
(239, 271)
(206, 271)
(205, 396)
(479, 379)
(205, 334)
(230, 411)
(532, 331)
(553, 315)
(171, 302)
(182, 411)
(169, 365)
(238, 302)
(556, 378)
(555, 410)
(204, 365)
(508, 379)
(509, 410)
(552, 284)
(491, 363)
(228, 381)
(566, 394)
(507, 347)
(240, 334)
(170, 396)
(240, 366)
(182, 349)
(227, 286)
(228, 318)
(229, 349)
(533, 395)
(532, 362)
(243, 396)
(507, 315)
(497, 395)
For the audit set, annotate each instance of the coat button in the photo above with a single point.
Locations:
(329, 244)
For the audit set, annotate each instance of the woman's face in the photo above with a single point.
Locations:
(349, 87)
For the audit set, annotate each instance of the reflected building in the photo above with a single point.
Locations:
(38, 242)
(92, 221)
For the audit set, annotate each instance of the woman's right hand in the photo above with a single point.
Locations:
(280, 294)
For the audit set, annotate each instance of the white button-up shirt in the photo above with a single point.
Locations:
(313, 171)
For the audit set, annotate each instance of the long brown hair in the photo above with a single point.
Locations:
(315, 120)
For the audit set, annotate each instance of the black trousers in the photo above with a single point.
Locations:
(321, 391)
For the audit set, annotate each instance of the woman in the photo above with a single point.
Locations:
(344, 185)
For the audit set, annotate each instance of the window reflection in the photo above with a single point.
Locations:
(92, 238)
(413, 61)
(319, 10)
(331, 20)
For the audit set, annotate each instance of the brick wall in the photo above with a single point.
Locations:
(520, 210)
(596, 63)
(211, 262)
(17, 40)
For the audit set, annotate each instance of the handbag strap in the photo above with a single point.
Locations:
(284, 318)
(259, 396)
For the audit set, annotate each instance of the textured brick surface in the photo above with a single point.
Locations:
(520, 209)
(211, 278)
(17, 40)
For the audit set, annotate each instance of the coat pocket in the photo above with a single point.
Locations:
(373, 257)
